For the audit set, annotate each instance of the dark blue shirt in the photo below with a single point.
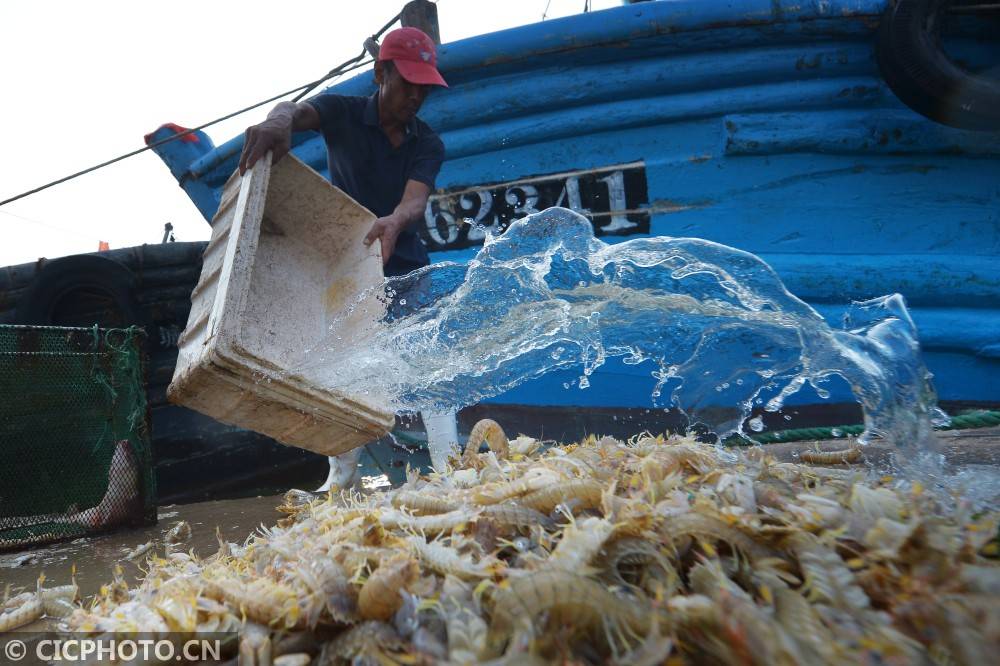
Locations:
(364, 164)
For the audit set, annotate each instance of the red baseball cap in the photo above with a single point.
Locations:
(414, 55)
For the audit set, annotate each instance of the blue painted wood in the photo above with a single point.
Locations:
(866, 131)
(761, 124)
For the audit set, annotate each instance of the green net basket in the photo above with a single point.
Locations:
(74, 433)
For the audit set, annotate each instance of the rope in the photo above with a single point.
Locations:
(968, 420)
(333, 72)
(347, 66)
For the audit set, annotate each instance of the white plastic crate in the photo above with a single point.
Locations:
(285, 261)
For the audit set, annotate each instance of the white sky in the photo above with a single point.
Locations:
(84, 81)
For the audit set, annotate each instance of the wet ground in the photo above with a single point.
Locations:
(95, 557)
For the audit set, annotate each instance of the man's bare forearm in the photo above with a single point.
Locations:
(297, 117)
(410, 210)
(411, 207)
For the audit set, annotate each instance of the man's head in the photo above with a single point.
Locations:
(405, 70)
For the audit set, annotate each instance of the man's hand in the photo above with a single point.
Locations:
(274, 135)
(387, 229)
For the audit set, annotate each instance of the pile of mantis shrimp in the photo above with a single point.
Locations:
(655, 550)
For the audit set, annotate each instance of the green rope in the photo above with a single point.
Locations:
(968, 420)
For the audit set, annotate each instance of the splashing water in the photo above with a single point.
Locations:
(714, 324)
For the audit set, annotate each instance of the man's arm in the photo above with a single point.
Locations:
(275, 133)
(410, 209)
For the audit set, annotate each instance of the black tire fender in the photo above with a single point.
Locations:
(81, 290)
(917, 69)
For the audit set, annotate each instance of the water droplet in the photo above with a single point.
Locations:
(739, 382)
(584, 382)
(787, 417)
(837, 432)
(756, 424)
(402, 301)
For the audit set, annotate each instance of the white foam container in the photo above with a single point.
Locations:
(284, 266)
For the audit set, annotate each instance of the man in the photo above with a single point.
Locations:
(380, 154)
(378, 151)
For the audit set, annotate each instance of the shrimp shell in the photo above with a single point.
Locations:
(579, 493)
(513, 514)
(499, 492)
(58, 607)
(580, 543)
(422, 504)
(16, 601)
(433, 524)
(466, 630)
(577, 599)
(58, 601)
(255, 646)
(447, 560)
(841, 457)
(29, 611)
(640, 559)
(363, 643)
(797, 617)
(380, 597)
(523, 445)
(667, 459)
(494, 435)
(826, 578)
(330, 589)
(295, 659)
(707, 527)
(139, 551)
(262, 600)
(181, 531)
(654, 649)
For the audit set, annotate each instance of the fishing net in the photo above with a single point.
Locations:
(74, 433)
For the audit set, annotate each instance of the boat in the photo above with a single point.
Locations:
(764, 125)
(793, 130)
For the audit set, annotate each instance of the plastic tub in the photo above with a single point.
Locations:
(285, 262)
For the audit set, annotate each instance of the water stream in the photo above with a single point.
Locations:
(714, 325)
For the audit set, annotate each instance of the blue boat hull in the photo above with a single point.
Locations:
(763, 125)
